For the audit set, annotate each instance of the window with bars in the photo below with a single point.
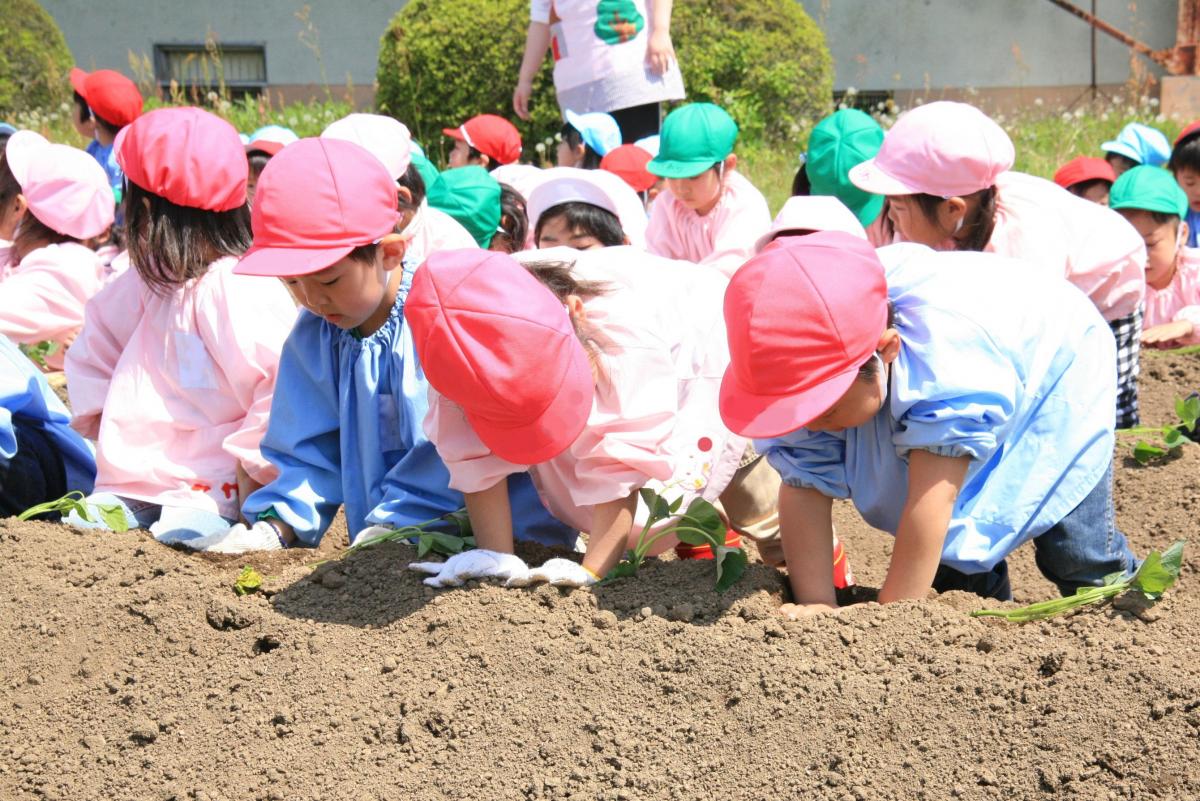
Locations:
(198, 68)
(869, 100)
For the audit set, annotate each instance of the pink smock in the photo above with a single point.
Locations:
(654, 419)
(1178, 300)
(1094, 247)
(431, 230)
(176, 389)
(724, 239)
(43, 297)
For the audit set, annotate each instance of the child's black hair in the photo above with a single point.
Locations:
(1159, 217)
(415, 184)
(573, 139)
(257, 160)
(9, 188)
(1083, 187)
(1116, 159)
(170, 245)
(801, 187)
(514, 220)
(85, 111)
(1186, 155)
(106, 126)
(870, 368)
(584, 218)
(475, 155)
(979, 226)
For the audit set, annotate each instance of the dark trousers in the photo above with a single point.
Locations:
(638, 122)
(36, 474)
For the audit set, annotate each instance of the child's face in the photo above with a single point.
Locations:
(1162, 245)
(699, 193)
(556, 232)
(1097, 192)
(460, 156)
(1189, 180)
(352, 294)
(859, 404)
(911, 223)
(85, 128)
(1119, 163)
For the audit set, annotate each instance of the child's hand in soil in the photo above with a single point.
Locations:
(479, 563)
(563, 573)
(262, 536)
(1167, 333)
(799, 611)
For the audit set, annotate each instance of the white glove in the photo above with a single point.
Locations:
(239, 539)
(478, 563)
(562, 573)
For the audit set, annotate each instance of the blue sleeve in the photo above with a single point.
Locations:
(811, 459)
(415, 490)
(303, 437)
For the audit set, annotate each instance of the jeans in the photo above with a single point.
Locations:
(1078, 551)
(166, 523)
(36, 473)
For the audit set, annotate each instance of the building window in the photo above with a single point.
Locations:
(197, 69)
(870, 101)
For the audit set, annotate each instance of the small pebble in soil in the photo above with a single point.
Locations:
(144, 731)
(390, 664)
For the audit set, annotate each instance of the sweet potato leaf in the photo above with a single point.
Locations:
(248, 581)
(731, 564)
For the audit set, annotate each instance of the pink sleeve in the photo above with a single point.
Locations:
(244, 324)
(473, 467)
(746, 220)
(1192, 315)
(110, 320)
(44, 298)
(660, 231)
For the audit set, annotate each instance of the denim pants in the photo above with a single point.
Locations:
(166, 523)
(1078, 551)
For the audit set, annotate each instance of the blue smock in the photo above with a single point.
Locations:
(25, 395)
(346, 428)
(999, 361)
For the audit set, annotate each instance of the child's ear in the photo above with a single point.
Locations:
(731, 162)
(406, 195)
(889, 345)
(1182, 237)
(394, 247)
(485, 160)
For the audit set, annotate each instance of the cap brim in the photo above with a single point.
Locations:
(1121, 149)
(454, 133)
(21, 151)
(555, 429)
(762, 416)
(78, 78)
(677, 169)
(273, 262)
(264, 146)
(869, 178)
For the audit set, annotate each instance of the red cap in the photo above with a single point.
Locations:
(186, 155)
(1084, 168)
(494, 340)
(493, 136)
(109, 94)
(629, 162)
(802, 317)
(316, 201)
(1192, 128)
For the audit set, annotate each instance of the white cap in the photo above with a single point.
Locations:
(385, 138)
(521, 177)
(812, 213)
(649, 144)
(597, 187)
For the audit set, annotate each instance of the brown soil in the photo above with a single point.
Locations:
(132, 671)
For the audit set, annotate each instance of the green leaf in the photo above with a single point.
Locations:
(705, 516)
(1190, 411)
(675, 504)
(731, 564)
(462, 520)
(692, 536)
(1159, 571)
(248, 581)
(445, 544)
(1145, 453)
(1173, 438)
(622, 570)
(113, 516)
(71, 502)
(657, 504)
(423, 547)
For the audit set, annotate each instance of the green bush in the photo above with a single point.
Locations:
(765, 62)
(34, 59)
(444, 61)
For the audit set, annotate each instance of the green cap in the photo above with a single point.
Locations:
(470, 195)
(424, 167)
(1149, 189)
(694, 138)
(839, 142)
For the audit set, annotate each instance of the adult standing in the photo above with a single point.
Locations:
(613, 56)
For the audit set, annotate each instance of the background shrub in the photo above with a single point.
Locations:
(34, 59)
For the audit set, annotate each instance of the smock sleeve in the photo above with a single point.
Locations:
(539, 11)
(302, 439)
(660, 230)
(810, 460)
(248, 355)
(110, 317)
(472, 465)
(44, 300)
(748, 217)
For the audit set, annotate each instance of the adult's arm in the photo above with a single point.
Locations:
(537, 42)
(659, 50)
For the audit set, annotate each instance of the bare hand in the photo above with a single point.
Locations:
(659, 52)
(1167, 333)
(521, 97)
(800, 611)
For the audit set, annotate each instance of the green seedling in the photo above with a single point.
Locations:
(699, 525)
(111, 514)
(40, 352)
(248, 581)
(1171, 437)
(429, 540)
(1157, 574)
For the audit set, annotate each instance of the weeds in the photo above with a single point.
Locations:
(40, 352)
(248, 581)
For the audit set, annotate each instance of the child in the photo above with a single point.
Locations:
(471, 196)
(173, 372)
(962, 401)
(346, 419)
(485, 140)
(1155, 205)
(803, 215)
(1185, 166)
(41, 458)
(1137, 144)
(628, 162)
(1086, 177)
(838, 143)
(585, 372)
(946, 168)
(585, 209)
(424, 228)
(586, 139)
(708, 214)
(262, 145)
(58, 197)
(105, 102)
(512, 234)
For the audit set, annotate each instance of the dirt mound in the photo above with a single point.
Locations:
(133, 671)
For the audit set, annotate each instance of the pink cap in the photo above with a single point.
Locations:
(597, 187)
(186, 155)
(491, 135)
(494, 340)
(812, 213)
(943, 149)
(316, 201)
(385, 138)
(66, 189)
(802, 317)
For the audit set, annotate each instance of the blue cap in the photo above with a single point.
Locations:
(6, 129)
(1140, 143)
(599, 130)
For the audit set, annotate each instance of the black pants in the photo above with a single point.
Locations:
(638, 122)
(993, 584)
(36, 474)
